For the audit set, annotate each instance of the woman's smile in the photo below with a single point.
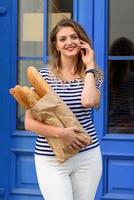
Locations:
(68, 42)
(70, 48)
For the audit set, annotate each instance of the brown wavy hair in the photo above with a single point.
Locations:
(55, 61)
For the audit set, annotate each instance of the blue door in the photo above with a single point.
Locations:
(114, 46)
(25, 26)
(17, 171)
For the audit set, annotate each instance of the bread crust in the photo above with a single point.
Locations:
(24, 96)
(37, 81)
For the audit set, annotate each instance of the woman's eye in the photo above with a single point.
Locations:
(62, 39)
(75, 37)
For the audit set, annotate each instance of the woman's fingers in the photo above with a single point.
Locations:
(75, 129)
(70, 149)
(77, 144)
(85, 45)
(83, 140)
(83, 42)
(74, 140)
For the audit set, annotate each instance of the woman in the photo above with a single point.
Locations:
(73, 75)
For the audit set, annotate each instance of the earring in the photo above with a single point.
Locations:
(58, 52)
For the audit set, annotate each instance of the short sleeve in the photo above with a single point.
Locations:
(99, 82)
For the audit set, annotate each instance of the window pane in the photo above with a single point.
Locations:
(121, 71)
(58, 9)
(22, 80)
(121, 96)
(121, 22)
(30, 28)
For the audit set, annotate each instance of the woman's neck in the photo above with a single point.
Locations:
(67, 71)
(68, 64)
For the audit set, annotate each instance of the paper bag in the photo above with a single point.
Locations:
(51, 110)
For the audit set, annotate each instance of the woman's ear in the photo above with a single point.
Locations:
(58, 51)
(56, 47)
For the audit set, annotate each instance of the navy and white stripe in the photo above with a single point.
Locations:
(70, 92)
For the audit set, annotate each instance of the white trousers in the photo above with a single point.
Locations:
(75, 179)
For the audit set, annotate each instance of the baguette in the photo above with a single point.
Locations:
(31, 93)
(24, 96)
(40, 85)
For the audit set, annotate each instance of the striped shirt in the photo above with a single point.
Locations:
(70, 93)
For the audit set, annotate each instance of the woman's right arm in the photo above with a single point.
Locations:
(69, 135)
(40, 128)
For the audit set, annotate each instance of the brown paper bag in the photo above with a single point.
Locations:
(47, 107)
(51, 110)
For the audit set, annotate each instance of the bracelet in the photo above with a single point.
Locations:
(90, 71)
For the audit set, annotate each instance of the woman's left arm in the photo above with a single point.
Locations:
(90, 96)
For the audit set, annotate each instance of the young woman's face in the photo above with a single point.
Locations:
(68, 42)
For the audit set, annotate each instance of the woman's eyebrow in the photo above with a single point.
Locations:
(69, 35)
(74, 34)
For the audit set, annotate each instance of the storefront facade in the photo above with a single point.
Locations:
(25, 27)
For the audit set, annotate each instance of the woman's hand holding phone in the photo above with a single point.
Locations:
(87, 54)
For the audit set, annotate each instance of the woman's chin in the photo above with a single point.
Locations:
(71, 54)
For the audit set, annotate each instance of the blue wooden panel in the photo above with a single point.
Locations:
(23, 177)
(3, 10)
(121, 176)
(5, 61)
(13, 64)
(118, 177)
(99, 35)
(120, 57)
(83, 13)
(119, 146)
(100, 39)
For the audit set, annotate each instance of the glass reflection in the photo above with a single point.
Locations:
(121, 88)
(121, 20)
(30, 28)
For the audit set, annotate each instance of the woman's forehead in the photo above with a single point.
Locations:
(67, 30)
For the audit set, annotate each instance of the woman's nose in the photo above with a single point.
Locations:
(69, 41)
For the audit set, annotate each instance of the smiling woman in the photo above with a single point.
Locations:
(78, 177)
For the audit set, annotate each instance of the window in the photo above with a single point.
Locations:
(31, 39)
(121, 67)
(30, 44)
